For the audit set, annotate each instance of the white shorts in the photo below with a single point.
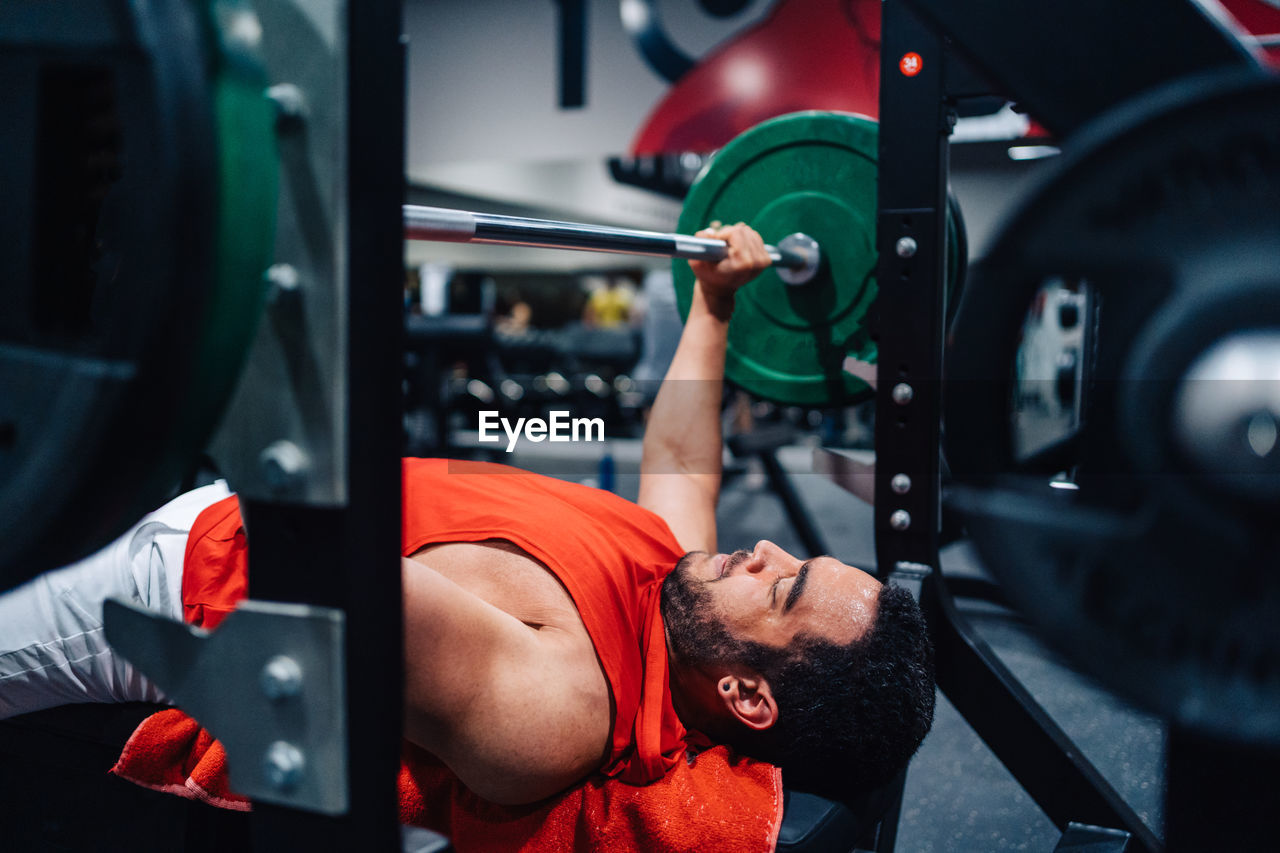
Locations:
(52, 647)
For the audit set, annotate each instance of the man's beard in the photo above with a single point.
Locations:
(695, 635)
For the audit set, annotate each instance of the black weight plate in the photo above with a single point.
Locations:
(113, 234)
(1149, 575)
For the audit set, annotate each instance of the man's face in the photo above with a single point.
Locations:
(766, 596)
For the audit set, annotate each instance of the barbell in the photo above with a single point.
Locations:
(798, 255)
(807, 182)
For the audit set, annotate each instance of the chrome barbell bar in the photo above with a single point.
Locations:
(797, 256)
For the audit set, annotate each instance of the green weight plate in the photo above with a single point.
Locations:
(243, 241)
(245, 231)
(814, 173)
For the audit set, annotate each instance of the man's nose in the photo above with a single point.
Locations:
(767, 555)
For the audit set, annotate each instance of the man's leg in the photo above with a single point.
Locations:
(52, 646)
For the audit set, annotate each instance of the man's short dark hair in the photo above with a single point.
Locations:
(849, 717)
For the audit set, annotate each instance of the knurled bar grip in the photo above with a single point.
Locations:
(439, 224)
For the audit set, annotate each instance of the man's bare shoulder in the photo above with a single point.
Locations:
(507, 577)
(515, 703)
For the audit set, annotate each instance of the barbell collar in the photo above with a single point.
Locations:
(444, 225)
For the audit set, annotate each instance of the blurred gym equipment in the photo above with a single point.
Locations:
(140, 166)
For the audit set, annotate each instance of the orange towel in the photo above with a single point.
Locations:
(715, 802)
(170, 752)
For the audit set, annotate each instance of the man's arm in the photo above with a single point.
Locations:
(680, 468)
(478, 682)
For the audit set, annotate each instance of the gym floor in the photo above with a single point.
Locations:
(959, 797)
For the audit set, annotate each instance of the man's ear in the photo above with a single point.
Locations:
(748, 699)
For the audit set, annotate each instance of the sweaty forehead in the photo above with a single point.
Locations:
(838, 602)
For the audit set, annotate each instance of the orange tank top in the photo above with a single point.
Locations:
(610, 554)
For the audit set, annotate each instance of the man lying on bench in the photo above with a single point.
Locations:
(554, 632)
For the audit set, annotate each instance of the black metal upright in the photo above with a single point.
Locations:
(908, 318)
(347, 556)
(911, 241)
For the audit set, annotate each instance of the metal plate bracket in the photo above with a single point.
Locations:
(268, 683)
